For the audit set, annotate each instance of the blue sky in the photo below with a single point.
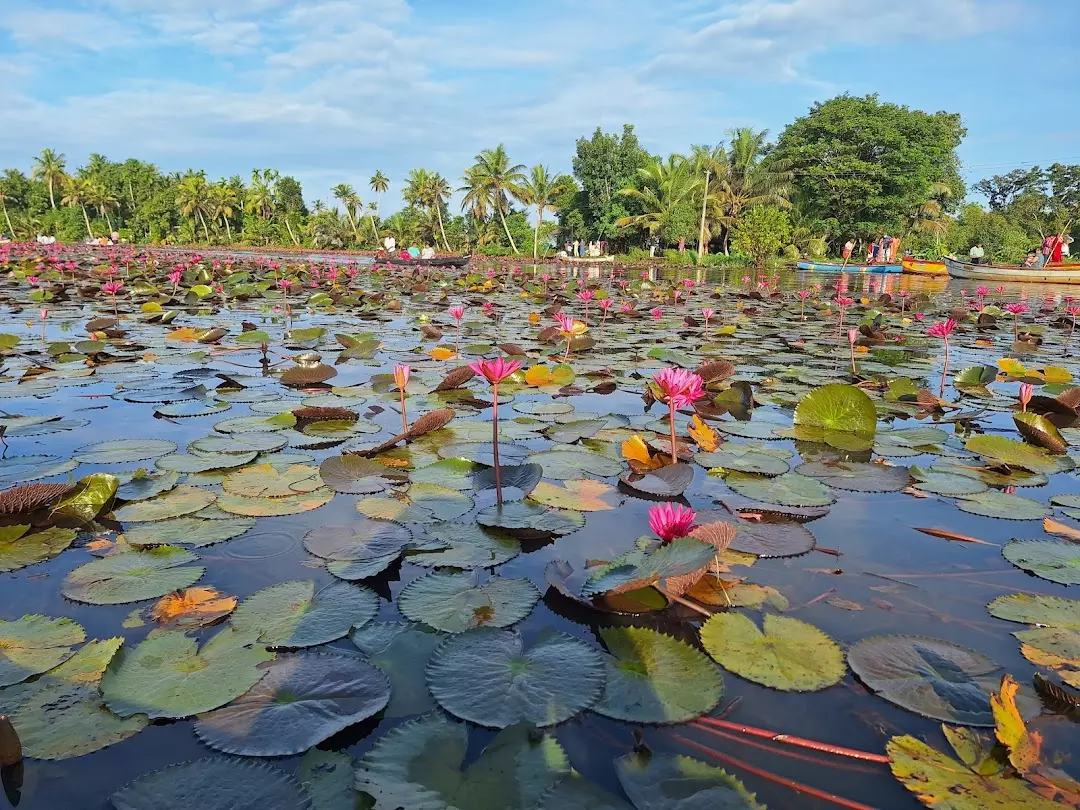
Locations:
(331, 90)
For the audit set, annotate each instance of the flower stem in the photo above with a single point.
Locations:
(674, 446)
(566, 357)
(495, 440)
(945, 370)
(404, 418)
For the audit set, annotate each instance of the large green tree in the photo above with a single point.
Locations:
(49, 168)
(864, 166)
(604, 165)
(542, 190)
(665, 196)
(490, 183)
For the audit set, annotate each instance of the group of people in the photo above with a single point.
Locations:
(1054, 249)
(411, 252)
(882, 250)
(593, 250)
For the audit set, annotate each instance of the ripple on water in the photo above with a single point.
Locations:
(263, 544)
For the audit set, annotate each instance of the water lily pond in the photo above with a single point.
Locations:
(253, 554)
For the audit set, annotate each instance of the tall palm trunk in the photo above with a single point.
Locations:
(701, 233)
(442, 230)
(108, 220)
(228, 230)
(290, 230)
(52, 199)
(374, 230)
(7, 216)
(202, 219)
(86, 219)
(513, 245)
(536, 230)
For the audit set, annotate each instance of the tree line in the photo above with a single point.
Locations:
(851, 168)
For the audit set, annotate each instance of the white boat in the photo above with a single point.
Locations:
(1054, 274)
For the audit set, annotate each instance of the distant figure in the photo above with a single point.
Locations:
(1065, 251)
(577, 247)
(886, 248)
(894, 249)
(414, 252)
(976, 253)
(870, 247)
(875, 252)
(390, 243)
(427, 253)
(1030, 259)
(849, 246)
(1056, 249)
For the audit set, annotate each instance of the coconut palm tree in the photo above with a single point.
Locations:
(348, 197)
(494, 180)
(667, 187)
(192, 199)
(77, 193)
(379, 184)
(260, 194)
(98, 195)
(541, 189)
(6, 195)
(222, 201)
(49, 167)
(750, 181)
(428, 191)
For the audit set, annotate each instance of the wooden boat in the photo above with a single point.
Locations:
(922, 267)
(586, 259)
(1051, 274)
(438, 261)
(835, 267)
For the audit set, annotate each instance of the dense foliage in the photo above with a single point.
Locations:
(852, 168)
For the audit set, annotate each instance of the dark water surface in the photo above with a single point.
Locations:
(903, 581)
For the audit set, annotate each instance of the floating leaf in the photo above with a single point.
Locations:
(1040, 431)
(327, 777)
(303, 699)
(658, 781)
(785, 654)
(1023, 746)
(402, 651)
(944, 483)
(119, 451)
(454, 603)
(195, 607)
(840, 408)
(133, 576)
(292, 614)
(466, 545)
(746, 458)
(1002, 505)
(355, 475)
(670, 481)
(928, 676)
(35, 644)
(855, 477)
(190, 531)
(490, 678)
(417, 765)
(1049, 611)
(422, 503)
(213, 784)
(18, 550)
(181, 501)
(180, 463)
(269, 507)
(583, 495)
(1049, 559)
(563, 464)
(363, 540)
(789, 489)
(168, 675)
(266, 481)
(1011, 452)
(654, 678)
(87, 500)
(142, 485)
(640, 568)
(531, 521)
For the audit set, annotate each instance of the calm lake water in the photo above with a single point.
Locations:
(883, 578)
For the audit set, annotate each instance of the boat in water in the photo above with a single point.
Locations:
(924, 267)
(438, 261)
(836, 267)
(586, 259)
(1051, 274)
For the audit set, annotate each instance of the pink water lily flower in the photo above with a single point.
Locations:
(679, 387)
(457, 313)
(112, 287)
(586, 295)
(605, 304)
(942, 329)
(1027, 390)
(656, 313)
(671, 521)
(495, 371)
(626, 308)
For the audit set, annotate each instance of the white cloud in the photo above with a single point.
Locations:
(57, 30)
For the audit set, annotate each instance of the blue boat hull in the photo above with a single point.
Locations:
(819, 267)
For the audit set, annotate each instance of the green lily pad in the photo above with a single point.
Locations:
(1040, 431)
(356, 475)
(856, 477)
(422, 503)
(293, 614)
(577, 793)
(654, 678)
(180, 463)
(530, 521)
(1049, 559)
(465, 546)
(142, 485)
(327, 777)
(840, 408)
(1013, 453)
(563, 464)
(1002, 505)
(266, 481)
(975, 375)
(303, 699)
(747, 459)
(582, 495)
(402, 651)
(789, 489)
(661, 781)
(35, 644)
(452, 473)
(26, 469)
(239, 444)
(490, 678)
(188, 531)
(418, 765)
(667, 482)
(18, 549)
(928, 676)
(214, 784)
(640, 568)
(89, 498)
(784, 654)
(454, 603)
(363, 540)
(169, 676)
(275, 507)
(481, 452)
(1049, 611)
(132, 576)
(119, 451)
(944, 483)
(176, 503)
